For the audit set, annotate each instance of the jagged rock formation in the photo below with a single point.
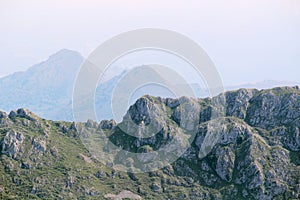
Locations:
(254, 153)
(11, 143)
(107, 124)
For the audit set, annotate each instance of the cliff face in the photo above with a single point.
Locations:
(253, 154)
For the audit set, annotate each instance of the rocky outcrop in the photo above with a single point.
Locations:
(187, 113)
(39, 145)
(241, 156)
(237, 102)
(91, 124)
(107, 124)
(3, 115)
(275, 107)
(23, 113)
(4, 120)
(145, 110)
(11, 143)
(225, 163)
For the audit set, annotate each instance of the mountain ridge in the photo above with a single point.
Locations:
(256, 154)
(47, 87)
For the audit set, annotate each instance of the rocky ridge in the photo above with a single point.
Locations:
(253, 154)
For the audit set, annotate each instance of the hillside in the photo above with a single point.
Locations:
(254, 155)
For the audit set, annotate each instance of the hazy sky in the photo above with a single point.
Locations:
(249, 40)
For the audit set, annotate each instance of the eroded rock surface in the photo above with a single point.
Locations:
(11, 143)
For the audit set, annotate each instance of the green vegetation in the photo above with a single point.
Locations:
(253, 157)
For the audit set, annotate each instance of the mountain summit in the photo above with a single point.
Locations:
(46, 88)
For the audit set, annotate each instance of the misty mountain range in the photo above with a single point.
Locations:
(46, 88)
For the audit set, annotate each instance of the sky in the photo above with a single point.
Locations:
(248, 40)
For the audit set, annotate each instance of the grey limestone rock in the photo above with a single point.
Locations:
(11, 143)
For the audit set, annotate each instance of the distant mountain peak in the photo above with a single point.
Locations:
(63, 59)
(45, 88)
(65, 53)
